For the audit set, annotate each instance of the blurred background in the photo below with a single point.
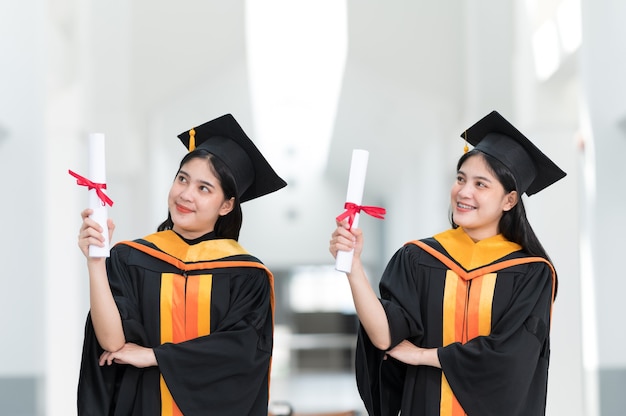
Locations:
(309, 80)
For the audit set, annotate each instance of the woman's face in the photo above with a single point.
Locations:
(478, 199)
(196, 199)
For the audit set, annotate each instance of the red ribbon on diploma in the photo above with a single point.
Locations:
(82, 181)
(352, 209)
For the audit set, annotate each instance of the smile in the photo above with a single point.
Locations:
(463, 206)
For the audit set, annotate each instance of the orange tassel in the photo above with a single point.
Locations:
(192, 140)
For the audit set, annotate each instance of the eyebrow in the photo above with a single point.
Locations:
(209, 184)
(483, 178)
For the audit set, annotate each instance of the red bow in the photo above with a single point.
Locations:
(352, 209)
(91, 185)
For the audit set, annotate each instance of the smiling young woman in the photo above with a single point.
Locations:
(196, 199)
(462, 323)
(181, 321)
(478, 199)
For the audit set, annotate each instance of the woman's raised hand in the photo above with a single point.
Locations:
(91, 233)
(346, 239)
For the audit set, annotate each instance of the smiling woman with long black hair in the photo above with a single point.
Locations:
(463, 320)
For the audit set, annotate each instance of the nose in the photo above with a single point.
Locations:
(186, 194)
(464, 191)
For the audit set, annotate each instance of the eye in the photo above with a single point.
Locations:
(204, 188)
(460, 179)
(181, 179)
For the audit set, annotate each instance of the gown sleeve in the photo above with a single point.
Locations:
(225, 372)
(380, 381)
(99, 387)
(506, 371)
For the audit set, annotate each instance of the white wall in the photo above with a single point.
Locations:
(24, 67)
(24, 195)
(602, 69)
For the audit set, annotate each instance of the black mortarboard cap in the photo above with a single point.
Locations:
(224, 138)
(495, 136)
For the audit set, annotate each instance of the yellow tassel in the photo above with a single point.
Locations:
(192, 140)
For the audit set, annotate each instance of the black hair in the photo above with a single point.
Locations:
(229, 225)
(514, 225)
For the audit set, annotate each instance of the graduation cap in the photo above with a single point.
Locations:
(224, 138)
(495, 136)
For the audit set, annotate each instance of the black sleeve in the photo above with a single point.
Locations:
(401, 296)
(380, 381)
(98, 386)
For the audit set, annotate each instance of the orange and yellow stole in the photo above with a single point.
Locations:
(468, 292)
(185, 301)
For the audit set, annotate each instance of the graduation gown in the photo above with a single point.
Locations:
(486, 307)
(206, 310)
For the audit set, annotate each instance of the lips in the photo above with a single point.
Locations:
(183, 209)
(464, 207)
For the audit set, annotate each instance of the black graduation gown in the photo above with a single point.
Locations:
(207, 311)
(486, 307)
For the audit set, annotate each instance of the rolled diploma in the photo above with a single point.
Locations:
(356, 183)
(97, 174)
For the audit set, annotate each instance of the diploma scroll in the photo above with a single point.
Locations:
(356, 183)
(97, 174)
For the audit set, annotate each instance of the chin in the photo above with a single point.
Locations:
(460, 221)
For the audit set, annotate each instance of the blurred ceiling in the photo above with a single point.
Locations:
(402, 73)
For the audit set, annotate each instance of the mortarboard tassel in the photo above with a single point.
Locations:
(192, 140)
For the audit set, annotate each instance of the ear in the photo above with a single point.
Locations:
(510, 200)
(227, 206)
